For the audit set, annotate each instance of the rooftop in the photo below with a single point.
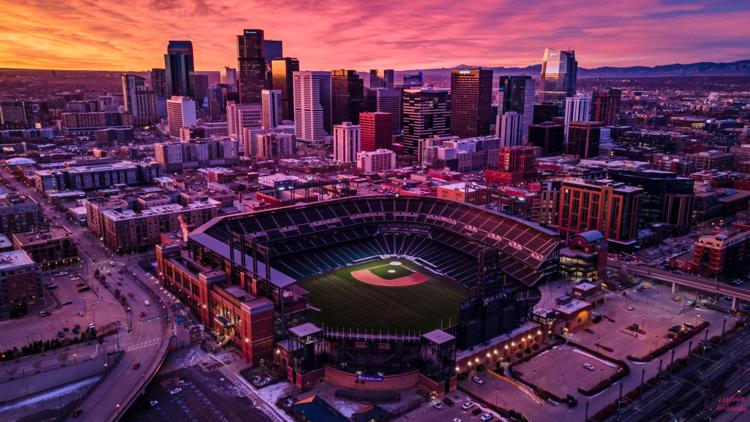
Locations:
(14, 259)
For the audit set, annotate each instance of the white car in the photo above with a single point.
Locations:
(457, 420)
(147, 303)
(477, 380)
(439, 405)
(467, 405)
(588, 366)
(175, 391)
(486, 417)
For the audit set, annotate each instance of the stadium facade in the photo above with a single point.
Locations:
(240, 274)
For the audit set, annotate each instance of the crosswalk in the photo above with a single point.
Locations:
(143, 344)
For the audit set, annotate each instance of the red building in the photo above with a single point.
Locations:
(605, 104)
(375, 130)
(515, 165)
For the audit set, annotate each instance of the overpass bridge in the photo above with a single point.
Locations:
(689, 281)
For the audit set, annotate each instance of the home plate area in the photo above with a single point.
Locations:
(391, 274)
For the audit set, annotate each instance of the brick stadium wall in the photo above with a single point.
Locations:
(390, 382)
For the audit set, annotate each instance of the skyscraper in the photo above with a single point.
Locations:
(251, 64)
(375, 130)
(346, 142)
(583, 139)
(159, 82)
(605, 103)
(199, 88)
(243, 122)
(347, 90)
(179, 64)
(471, 102)
(518, 95)
(271, 108)
(549, 136)
(577, 109)
(509, 129)
(312, 105)
(425, 114)
(282, 70)
(138, 99)
(558, 77)
(230, 78)
(180, 113)
(389, 101)
(382, 78)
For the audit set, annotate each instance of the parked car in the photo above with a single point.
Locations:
(477, 380)
(76, 413)
(175, 391)
(146, 303)
(438, 405)
(153, 403)
(44, 314)
(467, 405)
(486, 417)
(588, 366)
(136, 365)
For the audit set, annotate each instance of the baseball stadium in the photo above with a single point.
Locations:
(382, 288)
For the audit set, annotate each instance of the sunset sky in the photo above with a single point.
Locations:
(363, 34)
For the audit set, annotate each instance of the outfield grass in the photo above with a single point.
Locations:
(349, 303)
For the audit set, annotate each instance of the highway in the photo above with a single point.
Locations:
(693, 282)
(148, 341)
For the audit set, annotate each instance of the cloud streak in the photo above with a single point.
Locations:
(360, 34)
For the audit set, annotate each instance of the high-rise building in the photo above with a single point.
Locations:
(425, 115)
(604, 205)
(518, 95)
(138, 99)
(159, 82)
(282, 70)
(271, 105)
(412, 80)
(471, 102)
(558, 77)
(346, 142)
(179, 64)
(577, 109)
(389, 101)
(251, 64)
(230, 78)
(375, 130)
(312, 105)
(583, 139)
(510, 129)
(199, 88)
(605, 103)
(243, 122)
(274, 145)
(376, 161)
(347, 90)
(549, 136)
(180, 113)
(380, 78)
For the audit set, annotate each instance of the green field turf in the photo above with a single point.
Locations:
(349, 303)
(384, 271)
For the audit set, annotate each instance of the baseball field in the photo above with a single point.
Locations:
(394, 294)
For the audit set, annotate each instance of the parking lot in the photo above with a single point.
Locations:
(561, 370)
(66, 306)
(449, 413)
(654, 310)
(193, 394)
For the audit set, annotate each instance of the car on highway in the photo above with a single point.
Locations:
(588, 366)
(477, 380)
(136, 365)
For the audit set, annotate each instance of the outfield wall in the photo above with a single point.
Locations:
(389, 382)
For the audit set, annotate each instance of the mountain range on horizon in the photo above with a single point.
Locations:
(736, 68)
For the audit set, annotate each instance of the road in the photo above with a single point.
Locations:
(148, 341)
(693, 282)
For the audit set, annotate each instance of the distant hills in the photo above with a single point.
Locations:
(738, 68)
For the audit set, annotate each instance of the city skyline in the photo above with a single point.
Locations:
(83, 35)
